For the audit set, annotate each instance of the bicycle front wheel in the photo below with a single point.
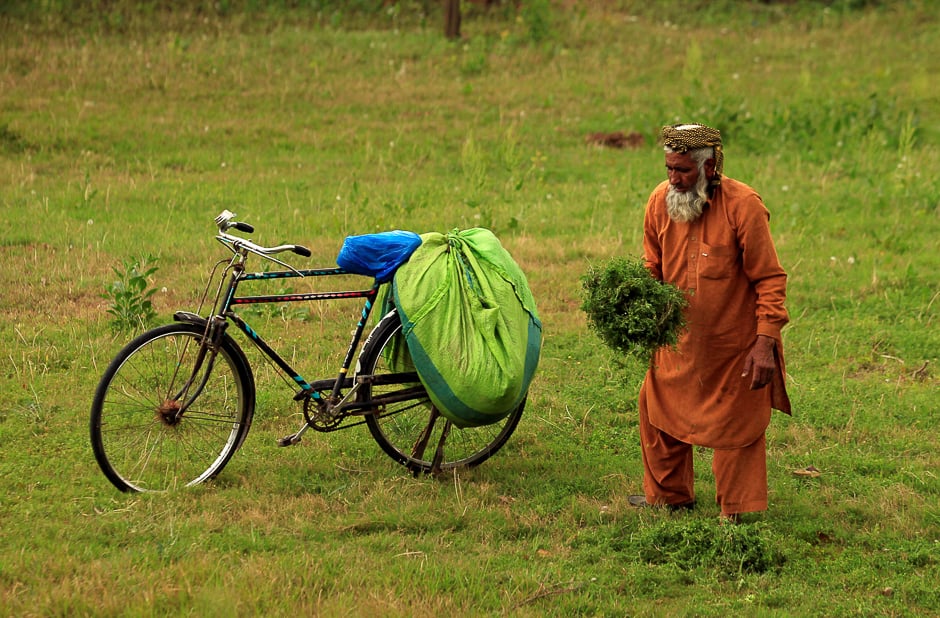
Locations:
(140, 440)
(410, 431)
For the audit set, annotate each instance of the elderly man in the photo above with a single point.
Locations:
(709, 235)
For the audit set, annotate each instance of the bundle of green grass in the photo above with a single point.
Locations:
(631, 311)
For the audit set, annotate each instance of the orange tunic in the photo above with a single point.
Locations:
(727, 264)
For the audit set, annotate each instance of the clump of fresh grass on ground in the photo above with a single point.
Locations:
(692, 544)
(631, 311)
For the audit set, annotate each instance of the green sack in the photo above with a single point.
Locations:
(470, 324)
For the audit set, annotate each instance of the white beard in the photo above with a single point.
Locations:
(687, 207)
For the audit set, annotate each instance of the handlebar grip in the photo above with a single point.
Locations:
(300, 250)
(243, 227)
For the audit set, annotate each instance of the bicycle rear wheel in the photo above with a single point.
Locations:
(409, 431)
(139, 442)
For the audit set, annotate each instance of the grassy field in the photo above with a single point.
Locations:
(123, 133)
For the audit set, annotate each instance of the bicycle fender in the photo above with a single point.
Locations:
(189, 317)
(388, 317)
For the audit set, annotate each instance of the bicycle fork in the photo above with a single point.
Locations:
(173, 408)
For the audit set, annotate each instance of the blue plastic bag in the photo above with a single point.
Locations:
(377, 255)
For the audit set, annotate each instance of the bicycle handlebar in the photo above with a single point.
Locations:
(225, 221)
(243, 227)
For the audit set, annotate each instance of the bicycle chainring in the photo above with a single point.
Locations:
(318, 415)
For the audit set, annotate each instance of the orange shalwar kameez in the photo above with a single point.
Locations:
(695, 394)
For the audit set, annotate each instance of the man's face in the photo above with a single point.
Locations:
(688, 186)
(682, 171)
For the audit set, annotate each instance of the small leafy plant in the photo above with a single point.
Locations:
(130, 294)
(631, 311)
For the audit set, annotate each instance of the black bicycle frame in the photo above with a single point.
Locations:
(306, 388)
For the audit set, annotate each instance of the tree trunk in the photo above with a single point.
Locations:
(452, 19)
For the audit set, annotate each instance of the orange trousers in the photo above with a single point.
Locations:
(740, 473)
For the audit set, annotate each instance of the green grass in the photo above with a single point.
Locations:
(124, 132)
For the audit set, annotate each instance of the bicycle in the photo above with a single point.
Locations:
(176, 403)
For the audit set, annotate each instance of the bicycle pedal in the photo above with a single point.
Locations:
(290, 440)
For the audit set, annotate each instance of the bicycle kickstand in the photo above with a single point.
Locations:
(439, 453)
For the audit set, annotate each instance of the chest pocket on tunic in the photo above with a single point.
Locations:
(717, 262)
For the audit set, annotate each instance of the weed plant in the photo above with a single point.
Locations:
(125, 127)
(130, 295)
